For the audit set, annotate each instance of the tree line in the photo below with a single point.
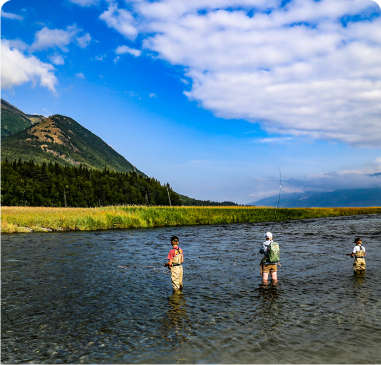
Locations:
(24, 183)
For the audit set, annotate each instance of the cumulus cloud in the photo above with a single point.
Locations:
(84, 41)
(18, 68)
(11, 16)
(57, 59)
(80, 75)
(59, 38)
(121, 20)
(17, 43)
(125, 49)
(301, 69)
(52, 38)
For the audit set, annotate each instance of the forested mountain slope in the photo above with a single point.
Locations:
(61, 139)
(54, 185)
(14, 120)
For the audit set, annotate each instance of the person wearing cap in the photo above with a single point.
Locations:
(267, 267)
(359, 253)
(175, 259)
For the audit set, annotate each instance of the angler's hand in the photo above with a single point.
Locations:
(166, 265)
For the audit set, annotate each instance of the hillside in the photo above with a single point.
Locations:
(54, 185)
(186, 201)
(63, 140)
(370, 197)
(14, 120)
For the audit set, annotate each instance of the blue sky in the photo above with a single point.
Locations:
(210, 96)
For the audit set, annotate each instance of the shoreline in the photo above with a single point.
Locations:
(47, 219)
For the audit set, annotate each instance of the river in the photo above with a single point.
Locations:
(65, 298)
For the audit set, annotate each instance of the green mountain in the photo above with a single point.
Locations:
(370, 197)
(63, 140)
(14, 120)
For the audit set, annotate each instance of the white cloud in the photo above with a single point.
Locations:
(125, 49)
(80, 75)
(121, 20)
(11, 16)
(116, 59)
(51, 38)
(84, 41)
(274, 140)
(59, 38)
(295, 69)
(17, 43)
(57, 59)
(85, 2)
(326, 181)
(152, 95)
(18, 69)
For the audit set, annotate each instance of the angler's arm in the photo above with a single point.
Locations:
(168, 264)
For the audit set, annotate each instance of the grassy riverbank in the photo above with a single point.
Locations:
(32, 219)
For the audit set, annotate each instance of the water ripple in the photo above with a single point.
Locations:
(65, 298)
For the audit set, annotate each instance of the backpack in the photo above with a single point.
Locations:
(273, 252)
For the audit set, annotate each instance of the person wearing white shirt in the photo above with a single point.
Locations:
(359, 253)
(267, 267)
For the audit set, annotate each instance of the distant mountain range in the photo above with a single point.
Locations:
(340, 198)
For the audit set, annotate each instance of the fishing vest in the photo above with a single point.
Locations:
(360, 254)
(178, 258)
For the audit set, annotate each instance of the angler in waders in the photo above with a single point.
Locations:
(269, 262)
(175, 259)
(359, 253)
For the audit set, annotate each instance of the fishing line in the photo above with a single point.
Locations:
(154, 268)
(280, 187)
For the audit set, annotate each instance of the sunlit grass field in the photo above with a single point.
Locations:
(42, 219)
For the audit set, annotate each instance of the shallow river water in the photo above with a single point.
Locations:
(65, 299)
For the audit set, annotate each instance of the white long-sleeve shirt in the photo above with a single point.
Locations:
(264, 248)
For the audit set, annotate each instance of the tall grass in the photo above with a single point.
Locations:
(36, 219)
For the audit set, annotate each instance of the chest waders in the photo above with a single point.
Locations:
(177, 270)
(176, 261)
(359, 263)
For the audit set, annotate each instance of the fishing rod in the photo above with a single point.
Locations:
(154, 268)
(280, 188)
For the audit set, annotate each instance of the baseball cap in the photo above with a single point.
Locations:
(357, 239)
(269, 235)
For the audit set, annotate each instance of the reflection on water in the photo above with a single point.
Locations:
(176, 324)
(359, 279)
(66, 299)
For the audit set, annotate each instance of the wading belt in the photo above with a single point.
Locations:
(176, 265)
